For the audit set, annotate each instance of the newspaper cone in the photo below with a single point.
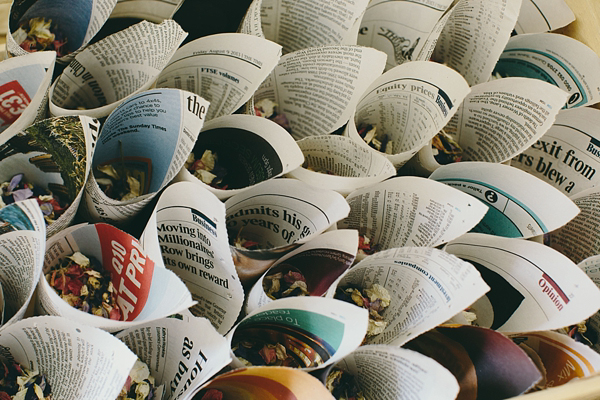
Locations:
(422, 287)
(308, 270)
(486, 363)
(55, 25)
(533, 287)
(187, 231)
(54, 156)
(90, 84)
(418, 212)
(341, 164)
(272, 218)
(256, 383)
(182, 352)
(314, 16)
(22, 238)
(80, 362)
(380, 371)
(304, 332)
(130, 171)
(142, 289)
(24, 84)
(236, 152)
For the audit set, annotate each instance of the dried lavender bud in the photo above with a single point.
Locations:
(85, 285)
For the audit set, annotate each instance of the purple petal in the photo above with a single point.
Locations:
(46, 208)
(14, 182)
(22, 194)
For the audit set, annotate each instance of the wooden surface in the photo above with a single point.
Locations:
(585, 29)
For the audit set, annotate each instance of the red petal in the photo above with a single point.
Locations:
(74, 286)
(268, 354)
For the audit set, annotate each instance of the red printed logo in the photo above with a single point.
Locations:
(13, 101)
(131, 271)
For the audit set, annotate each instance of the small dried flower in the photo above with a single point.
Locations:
(85, 285)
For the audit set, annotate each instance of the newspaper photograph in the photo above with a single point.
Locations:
(24, 83)
(340, 163)
(50, 162)
(187, 232)
(563, 359)
(513, 197)
(533, 287)
(225, 69)
(127, 287)
(265, 382)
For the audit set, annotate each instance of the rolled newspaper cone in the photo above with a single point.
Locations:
(49, 161)
(236, 152)
(24, 83)
(90, 84)
(274, 217)
(55, 25)
(22, 238)
(256, 383)
(79, 362)
(340, 163)
(308, 270)
(128, 287)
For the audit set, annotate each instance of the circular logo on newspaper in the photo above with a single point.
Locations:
(491, 196)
